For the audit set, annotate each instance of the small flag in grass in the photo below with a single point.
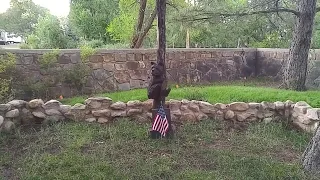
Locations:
(160, 123)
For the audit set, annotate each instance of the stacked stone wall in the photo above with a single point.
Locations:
(104, 110)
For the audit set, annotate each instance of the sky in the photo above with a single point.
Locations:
(57, 7)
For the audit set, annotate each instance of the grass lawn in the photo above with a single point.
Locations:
(122, 150)
(217, 93)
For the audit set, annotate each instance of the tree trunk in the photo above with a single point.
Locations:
(161, 53)
(311, 156)
(140, 33)
(295, 71)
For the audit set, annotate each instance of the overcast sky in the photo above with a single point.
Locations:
(56, 7)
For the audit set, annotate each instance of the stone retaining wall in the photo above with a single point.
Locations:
(104, 110)
(112, 70)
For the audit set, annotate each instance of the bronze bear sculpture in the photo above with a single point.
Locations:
(155, 85)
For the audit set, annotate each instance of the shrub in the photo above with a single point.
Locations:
(77, 76)
(86, 52)
(49, 59)
(96, 43)
(7, 70)
(24, 46)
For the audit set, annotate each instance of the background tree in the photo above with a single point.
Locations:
(21, 17)
(90, 18)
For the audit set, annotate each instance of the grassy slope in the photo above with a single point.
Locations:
(123, 151)
(214, 94)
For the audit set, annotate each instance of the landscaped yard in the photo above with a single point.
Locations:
(122, 150)
(217, 93)
(210, 149)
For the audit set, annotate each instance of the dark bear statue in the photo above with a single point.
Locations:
(155, 85)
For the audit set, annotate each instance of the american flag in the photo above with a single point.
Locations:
(160, 123)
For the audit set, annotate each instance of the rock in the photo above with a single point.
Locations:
(52, 104)
(207, 108)
(254, 105)
(53, 112)
(90, 120)
(311, 128)
(267, 120)
(1, 120)
(98, 102)
(26, 116)
(102, 120)
(149, 115)
(65, 108)
(174, 105)
(220, 106)
(102, 112)
(5, 107)
(243, 116)
(176, 113)
(313, 114)
(7, 126)
(239, 106)
(132, 112)
(119, 113)
(147, 105)
(302, 103)
(219, 115)
(201, 116)
(118, 106)
(300, 109)
(12, 114)
(268, 105)
(39, 114)
(184, 108)
(194, 107)
(185, 101)
(288, 104)
(189, 117)
(17, 103)
(35, 103)
(249, 115)
(77, 112)
(303, 120)
(54, 119)
(134, 104)
(279, 105)
(229, 115)
(268, 114)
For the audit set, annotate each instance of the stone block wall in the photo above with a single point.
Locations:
(112, 70)
(104, 110)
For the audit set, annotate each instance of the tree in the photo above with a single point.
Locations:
(137, 21)
(310, 158)
(295, 69)
(49, 34)
(90, 18)
(21, 17)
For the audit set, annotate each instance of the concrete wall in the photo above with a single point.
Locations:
(113, 70)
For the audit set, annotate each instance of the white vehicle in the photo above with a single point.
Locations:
(10, 38)
(3, 37)
(17, 39)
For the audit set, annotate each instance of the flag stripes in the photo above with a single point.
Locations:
(160, 123)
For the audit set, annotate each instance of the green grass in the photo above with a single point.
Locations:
(216, 94)
(122, 150)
